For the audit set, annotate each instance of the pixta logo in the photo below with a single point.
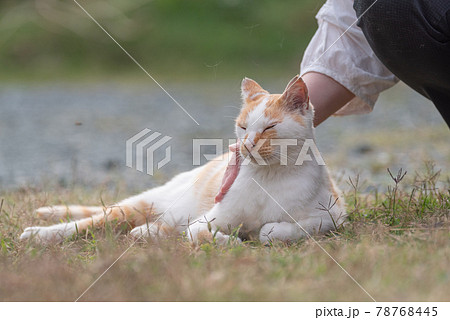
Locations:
(142, 147)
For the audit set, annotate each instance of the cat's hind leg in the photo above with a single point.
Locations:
(71, 212)
(132, 214)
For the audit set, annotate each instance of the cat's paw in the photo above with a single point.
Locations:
(204, 236)
(267, 234)
(143, 232)
(281, 231)
(30, 232)
(45, 234)
(224, 239)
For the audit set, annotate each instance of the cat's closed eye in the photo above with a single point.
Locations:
(242, 127)
(270, 127)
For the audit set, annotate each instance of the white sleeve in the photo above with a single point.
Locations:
(349, 59)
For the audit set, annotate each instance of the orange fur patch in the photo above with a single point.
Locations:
(87, 212)
(334, 192)
(204, 236)
(121, 214)
(298, 118)
(274, 109)
(209, 181)
(249, 106)
(266, 149)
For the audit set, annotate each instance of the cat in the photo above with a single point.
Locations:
(263, 195)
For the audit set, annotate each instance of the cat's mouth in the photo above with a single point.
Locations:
(261, 156)
(257, 153)
(244, 151)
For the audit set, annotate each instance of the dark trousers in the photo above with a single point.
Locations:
(412, 39)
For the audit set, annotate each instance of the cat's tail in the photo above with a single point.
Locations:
(71, 212)
(130, 215)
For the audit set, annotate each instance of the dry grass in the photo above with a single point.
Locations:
(396, 245)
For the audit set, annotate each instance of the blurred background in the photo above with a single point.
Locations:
(174, 39)
(70, 97)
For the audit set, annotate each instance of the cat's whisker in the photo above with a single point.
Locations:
(234, 107)
(233, 119)
(285, 156)
(278, 152)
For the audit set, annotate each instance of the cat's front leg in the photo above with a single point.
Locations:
(144, 231)
(284, 231)
(207, 229)
(154, 230)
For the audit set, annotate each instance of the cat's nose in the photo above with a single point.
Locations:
(249, 144)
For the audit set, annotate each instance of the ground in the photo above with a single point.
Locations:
(395, 245)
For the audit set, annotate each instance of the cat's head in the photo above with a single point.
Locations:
(266, 120)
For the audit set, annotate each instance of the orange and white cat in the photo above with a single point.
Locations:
(276, 198)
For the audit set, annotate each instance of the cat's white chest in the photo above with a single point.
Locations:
(255, 199)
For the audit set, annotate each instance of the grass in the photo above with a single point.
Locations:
(395, 244)
(170, 38)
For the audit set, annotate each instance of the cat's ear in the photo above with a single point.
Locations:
(251, 90)
(295, 95)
